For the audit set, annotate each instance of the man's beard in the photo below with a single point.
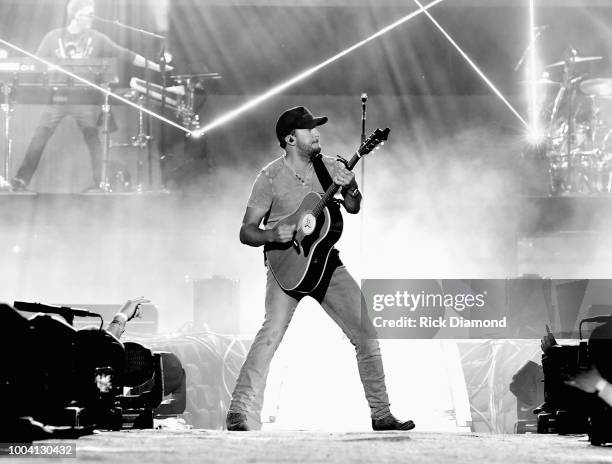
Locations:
(309, 150)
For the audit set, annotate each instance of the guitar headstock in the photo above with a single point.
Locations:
(374, 141)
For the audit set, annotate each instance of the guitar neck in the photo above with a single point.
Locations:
(333, 188)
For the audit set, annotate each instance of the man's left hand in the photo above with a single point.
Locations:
(343, 176)
(586, 380)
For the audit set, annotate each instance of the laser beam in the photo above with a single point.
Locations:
(534, 130)
(473, 65)
(53, 66)
(308, 72)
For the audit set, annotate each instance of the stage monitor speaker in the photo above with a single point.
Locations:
(216, 303)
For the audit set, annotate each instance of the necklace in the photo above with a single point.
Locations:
(297, 176)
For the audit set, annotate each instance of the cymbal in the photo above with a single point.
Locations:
(542, 82)
(575, 59)
(577, 151)
(200, 76)
(600, 87)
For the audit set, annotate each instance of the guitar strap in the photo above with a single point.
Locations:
(326, 181)
(322, 172)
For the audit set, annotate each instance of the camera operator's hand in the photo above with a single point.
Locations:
(586, 381)
(548, 341)
(131, 308)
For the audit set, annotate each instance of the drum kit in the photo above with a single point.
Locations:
(579, 134)
(183, 100)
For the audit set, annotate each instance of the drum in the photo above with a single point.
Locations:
(575, 173)
(604, 166)
(582, 139)
(584, 172)
(604, 178)
(558, 165)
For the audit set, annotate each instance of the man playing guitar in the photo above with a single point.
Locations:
(277, 192)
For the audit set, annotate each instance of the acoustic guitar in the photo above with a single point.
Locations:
(299, 265)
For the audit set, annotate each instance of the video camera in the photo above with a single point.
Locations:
(61, 377)
(568, 410)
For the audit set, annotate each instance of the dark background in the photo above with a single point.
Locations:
(255, 44)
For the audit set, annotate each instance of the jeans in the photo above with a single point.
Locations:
(340, 297)
(85, 117)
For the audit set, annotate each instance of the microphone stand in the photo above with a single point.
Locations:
(147, 104)
(7, 109)
(568, 70)
(104, 181)
(144, 33)
(364, 100)
(162, 137)
(531, 43)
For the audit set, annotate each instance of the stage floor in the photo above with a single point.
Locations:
(186, 446)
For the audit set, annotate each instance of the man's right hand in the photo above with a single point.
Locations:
(131, 308)
(282, 233)
(547, 342)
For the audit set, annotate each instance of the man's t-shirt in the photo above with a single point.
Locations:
(61, 44)
(278, 190)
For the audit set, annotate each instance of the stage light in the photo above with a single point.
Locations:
(535, 137)
(308, 72)
(473, 65)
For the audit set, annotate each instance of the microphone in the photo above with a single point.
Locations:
(96, 17)
(61, 310)
(364, 99)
